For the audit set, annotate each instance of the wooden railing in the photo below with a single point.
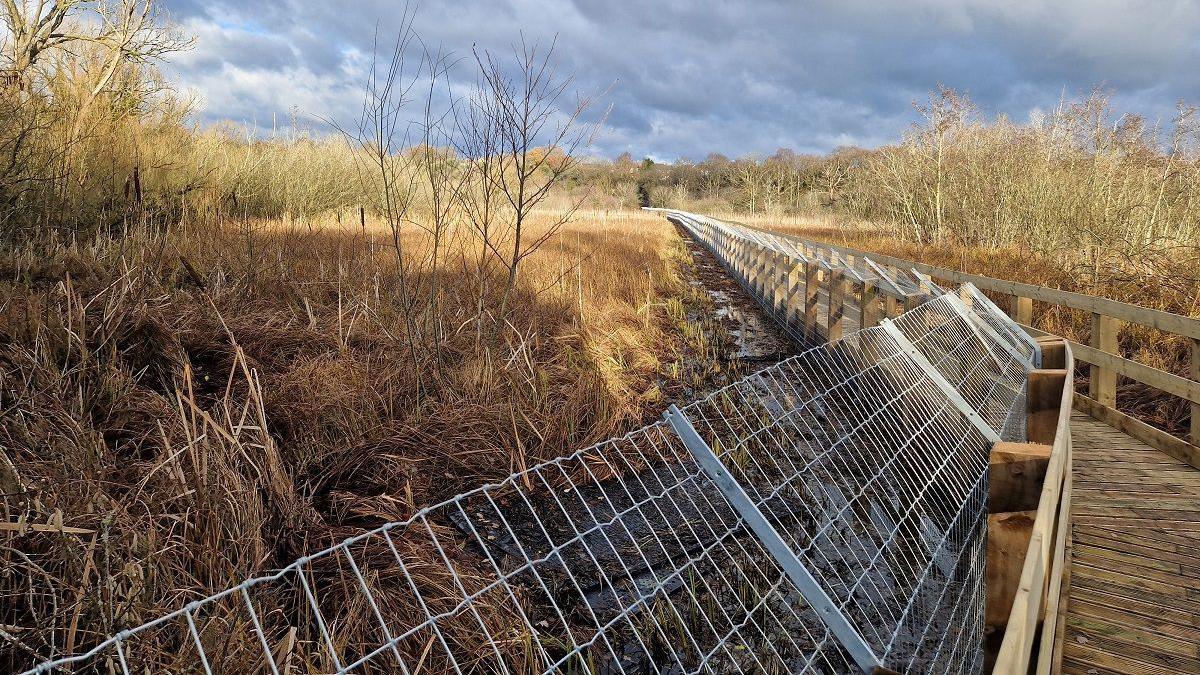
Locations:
(1036, 607)
(1108, 316)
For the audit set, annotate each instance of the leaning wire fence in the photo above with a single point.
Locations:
(829, 515)
(876, 481)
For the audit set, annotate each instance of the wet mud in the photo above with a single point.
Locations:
(752, 336)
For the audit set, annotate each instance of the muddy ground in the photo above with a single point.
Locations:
(756, 340)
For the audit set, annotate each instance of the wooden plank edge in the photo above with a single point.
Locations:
(1016, 649)
(1050, 658)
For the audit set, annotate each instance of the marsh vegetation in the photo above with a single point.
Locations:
(222, 349)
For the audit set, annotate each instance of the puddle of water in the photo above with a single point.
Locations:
(755, 336)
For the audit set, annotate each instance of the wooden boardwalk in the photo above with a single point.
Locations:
(1133, 583)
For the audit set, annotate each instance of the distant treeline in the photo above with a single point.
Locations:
(93, 138)
(1112, 196)
(785, 182)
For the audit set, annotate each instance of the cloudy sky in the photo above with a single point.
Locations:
(689, 77)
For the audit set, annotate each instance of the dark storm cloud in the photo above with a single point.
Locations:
(685, 78)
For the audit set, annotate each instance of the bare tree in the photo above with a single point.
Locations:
(380, 137)
(478, 142)
(443, 178)
(535, 139)
(127, 31)
(59, 59)
(946, 115)
(753, 179)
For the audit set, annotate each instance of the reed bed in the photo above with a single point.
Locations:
(187, 407)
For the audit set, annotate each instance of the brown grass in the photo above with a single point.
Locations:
(208, 403)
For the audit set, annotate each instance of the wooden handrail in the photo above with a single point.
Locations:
(1158, 379)
(1045, 560)
(1154, 318)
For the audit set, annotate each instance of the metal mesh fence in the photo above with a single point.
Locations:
(977, 363)
(825, 515)
(987, 311)
(877, 483)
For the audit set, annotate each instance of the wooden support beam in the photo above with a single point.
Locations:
(1054, 352)
(1044, 399)
(1022, 310)
(775, 286)
(1102, 383)
(1195, 430)
(774, 269)
(795, 295)
(893, 307)
(1016, 472)
(758, 269)
(1008, 540)
(783, 276)
(836, 326)
(766, 266)
(870, 309)
(811, 295)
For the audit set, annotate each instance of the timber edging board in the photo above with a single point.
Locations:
(1035, 605)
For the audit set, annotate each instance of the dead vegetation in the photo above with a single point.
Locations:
(178, 417)
(218, 354)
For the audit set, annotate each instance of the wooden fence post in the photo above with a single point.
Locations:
(892, 306)
(836, 325)
(869, 308)
(761, 265)
(1196, 377)
(858, 293)
(794, 304)
(811, 294)
(1102, 385)
(1022, 310)
(778, 284)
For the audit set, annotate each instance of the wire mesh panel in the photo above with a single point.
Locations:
(1009, 330)
(622, 558)
(879, 485)
(974, 360)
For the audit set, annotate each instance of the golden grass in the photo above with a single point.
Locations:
(211, 402)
